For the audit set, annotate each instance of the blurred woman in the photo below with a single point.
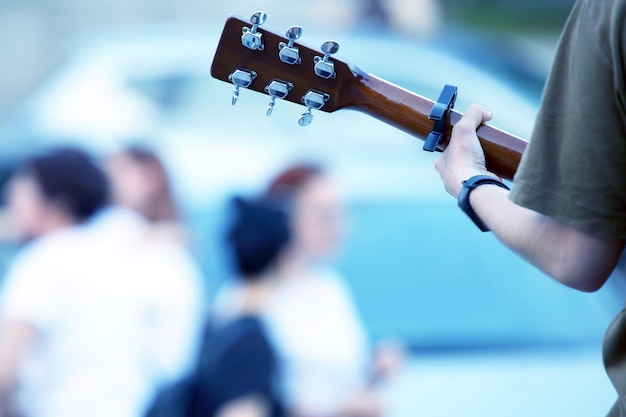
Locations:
(140, 182)
(93, 317)
(312, 319)
(237, 373)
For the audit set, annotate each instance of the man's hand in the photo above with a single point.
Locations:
(464, 157)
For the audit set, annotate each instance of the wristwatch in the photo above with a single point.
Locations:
(464, 194)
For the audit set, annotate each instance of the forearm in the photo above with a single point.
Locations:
(251, 406)
(6, 396)
(8, 370)
(573, 258)
(15, 339)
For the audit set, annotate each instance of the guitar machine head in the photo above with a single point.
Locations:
(257, 59)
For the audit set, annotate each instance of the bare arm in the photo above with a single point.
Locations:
(363, 403)
(574, 258)
(15, 339)
(244, 407)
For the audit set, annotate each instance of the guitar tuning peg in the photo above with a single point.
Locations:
(277, 89)
(287, 52)
(324, 67)
(251, 38)
(313, 100)
(241, 78)
(306, 118)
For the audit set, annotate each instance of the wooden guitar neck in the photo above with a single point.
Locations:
(409, 112)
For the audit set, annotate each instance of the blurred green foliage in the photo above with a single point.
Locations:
(509, 15)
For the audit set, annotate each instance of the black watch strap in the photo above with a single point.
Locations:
(464, 201)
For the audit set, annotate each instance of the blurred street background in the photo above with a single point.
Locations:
(487, 334)
(38, 35)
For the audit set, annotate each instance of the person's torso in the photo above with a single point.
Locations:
(98, 353)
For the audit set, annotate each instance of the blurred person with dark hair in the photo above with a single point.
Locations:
(55, 190)
(94, 319)
(312, 318)
(140, 182)
(237, 371)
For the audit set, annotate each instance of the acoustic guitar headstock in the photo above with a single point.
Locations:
(251, 57)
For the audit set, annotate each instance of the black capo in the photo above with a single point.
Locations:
(440, 113)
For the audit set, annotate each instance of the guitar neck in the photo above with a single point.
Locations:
(409, 112)
(249, 64)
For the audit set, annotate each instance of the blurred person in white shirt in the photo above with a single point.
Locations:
(328, 367)
(95, 317)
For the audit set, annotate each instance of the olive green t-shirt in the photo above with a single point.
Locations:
(574, 169)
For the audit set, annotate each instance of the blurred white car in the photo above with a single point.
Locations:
(490, 335)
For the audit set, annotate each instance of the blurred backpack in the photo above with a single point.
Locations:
(173, 401)
(234, 362)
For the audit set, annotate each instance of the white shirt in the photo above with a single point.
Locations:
(117, 316)
(318, 335)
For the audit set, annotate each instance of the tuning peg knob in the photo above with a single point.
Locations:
(251, 38)
(287, 52)
(324, 67)
(293, 33)
(329, 48)
(306, 118)
(257, 19)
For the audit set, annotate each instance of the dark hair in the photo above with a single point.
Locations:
(257, 235)
(290, 181)
(70, 178)
(163, 207)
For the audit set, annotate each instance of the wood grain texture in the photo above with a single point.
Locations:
(409, 112)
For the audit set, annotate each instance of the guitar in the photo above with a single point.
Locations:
(251, 57)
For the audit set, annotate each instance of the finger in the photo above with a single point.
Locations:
(473, 117)
(484, 114)
(487, 115)
(440, 163)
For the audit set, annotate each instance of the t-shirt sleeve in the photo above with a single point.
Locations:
(574, 169)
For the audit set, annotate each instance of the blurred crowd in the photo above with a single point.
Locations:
(105, 312)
